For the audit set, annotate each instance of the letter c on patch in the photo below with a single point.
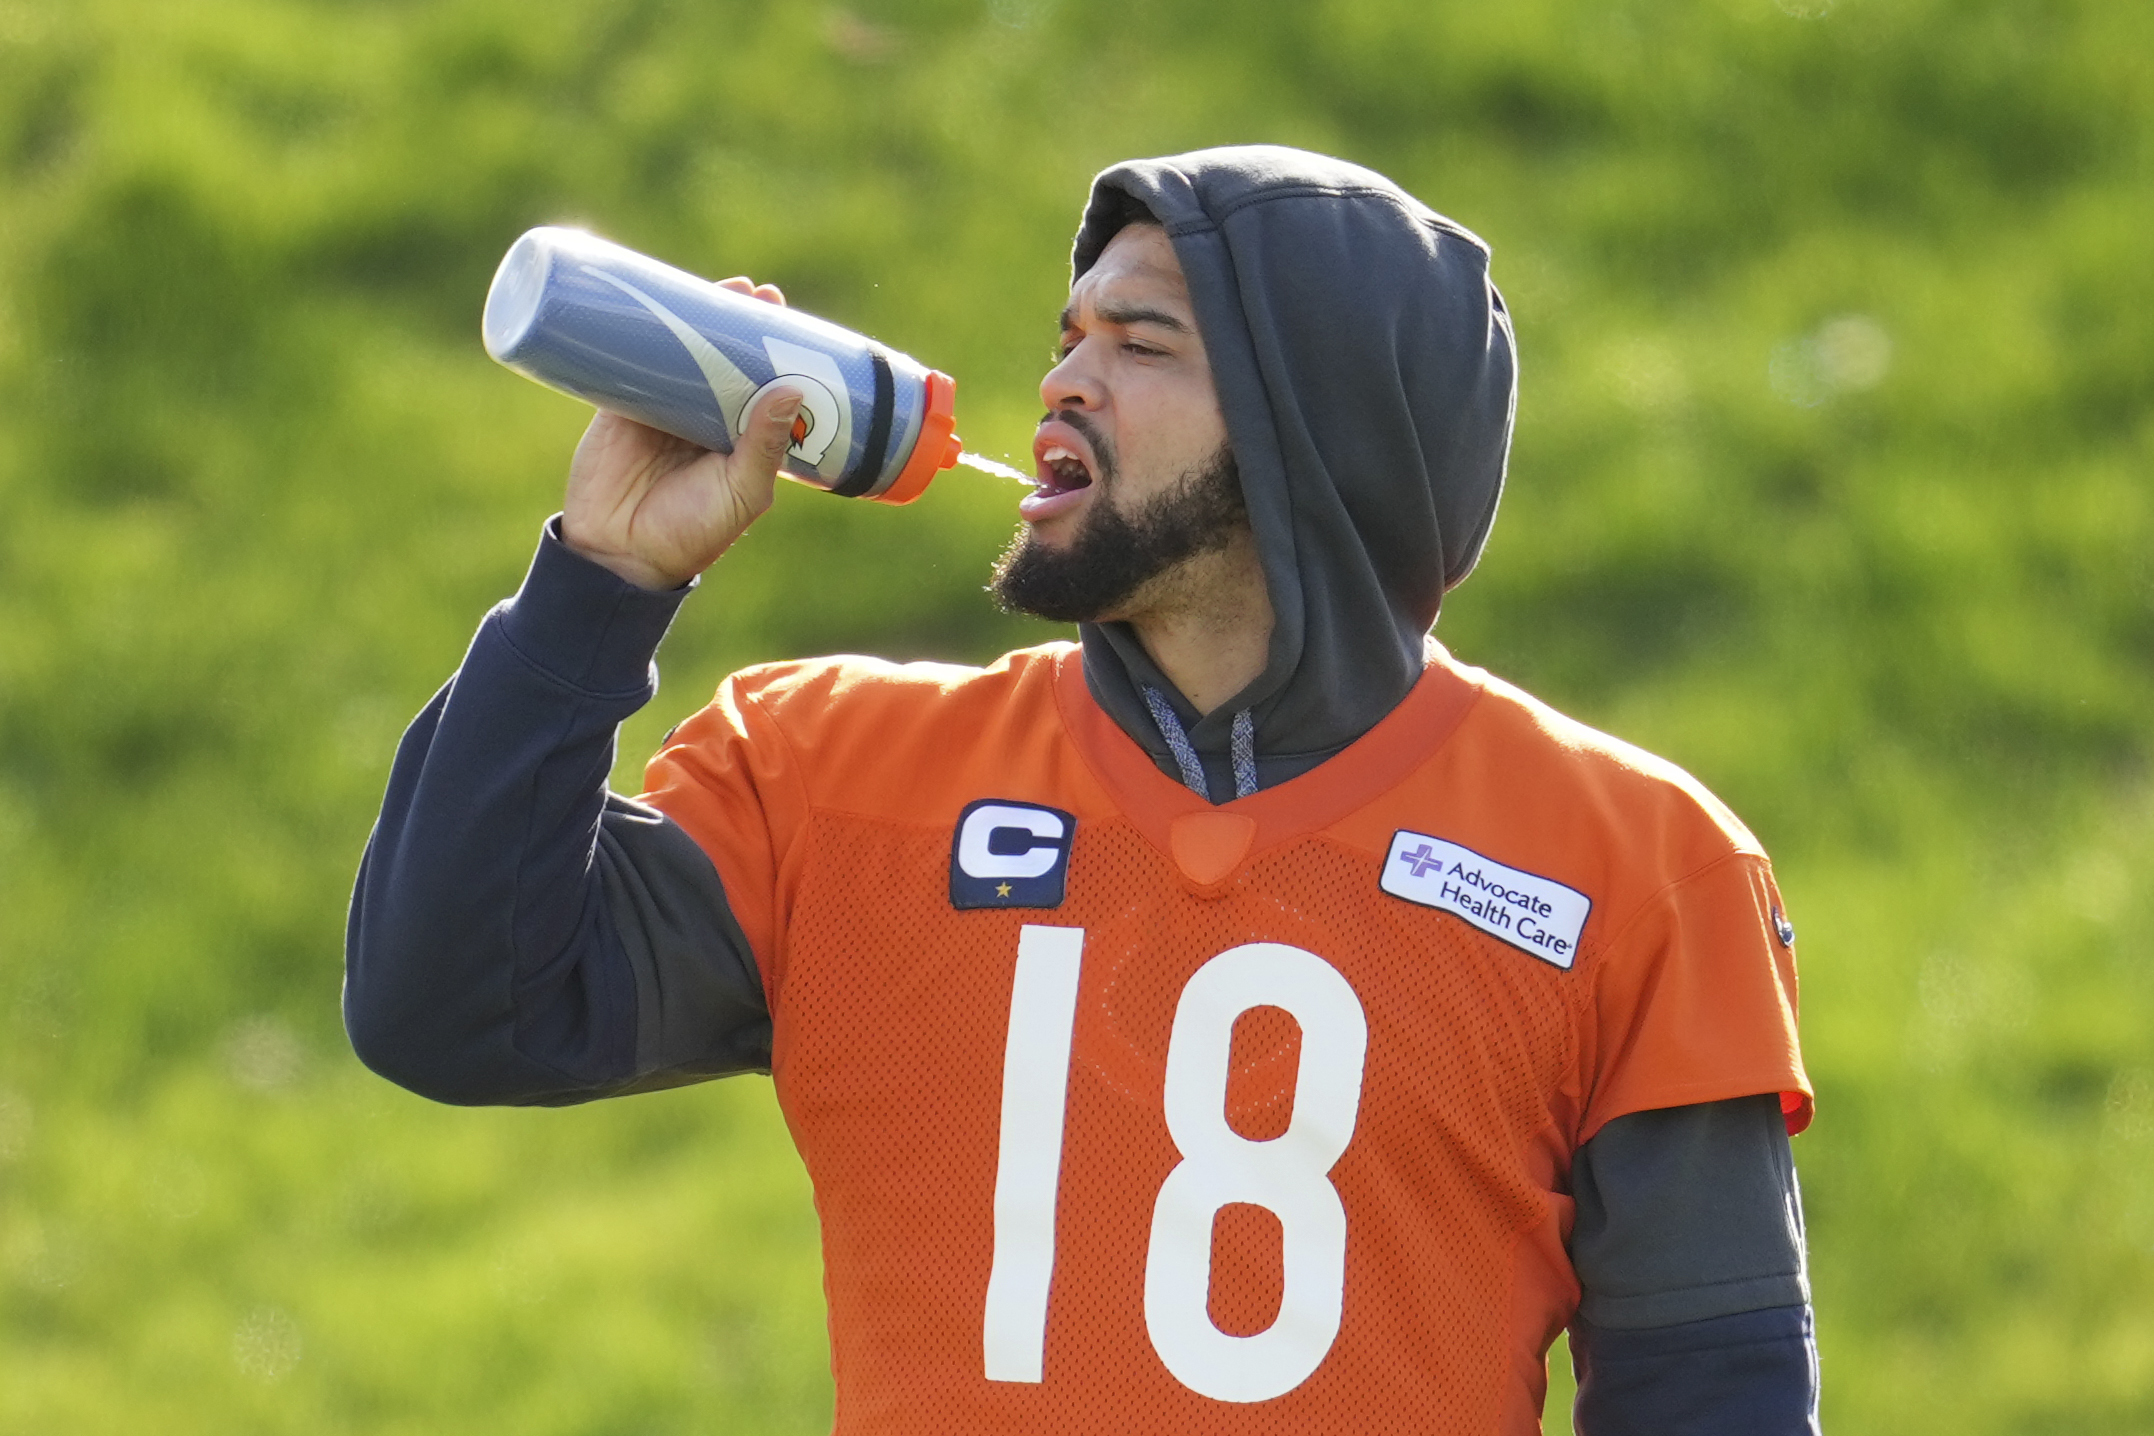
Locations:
(999, 842)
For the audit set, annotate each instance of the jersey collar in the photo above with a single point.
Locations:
(1408, 736)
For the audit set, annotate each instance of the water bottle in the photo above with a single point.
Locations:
(624, 332)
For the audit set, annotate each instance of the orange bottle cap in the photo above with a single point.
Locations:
(937, 447)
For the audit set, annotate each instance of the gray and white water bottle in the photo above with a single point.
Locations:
(622, 331)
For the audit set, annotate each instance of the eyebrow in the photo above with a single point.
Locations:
(1127, 314)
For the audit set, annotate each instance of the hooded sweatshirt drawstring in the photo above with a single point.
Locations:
(1242, 751)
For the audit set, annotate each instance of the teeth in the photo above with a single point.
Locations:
(1055, 453)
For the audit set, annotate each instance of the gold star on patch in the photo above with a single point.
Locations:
(1002, 889)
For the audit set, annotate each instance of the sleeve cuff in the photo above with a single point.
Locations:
(584, 624)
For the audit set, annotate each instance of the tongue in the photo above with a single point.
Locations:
(1048, 500)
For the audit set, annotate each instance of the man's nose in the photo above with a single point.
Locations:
(1072, 383)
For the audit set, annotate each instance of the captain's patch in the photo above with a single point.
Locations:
(1533, 913)
(1010, 854)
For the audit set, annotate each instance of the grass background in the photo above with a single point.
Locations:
(1831, 483)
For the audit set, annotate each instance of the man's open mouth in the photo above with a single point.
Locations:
(1061, 472)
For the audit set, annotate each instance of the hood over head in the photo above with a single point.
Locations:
(1365, 367)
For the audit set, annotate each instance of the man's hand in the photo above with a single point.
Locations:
(658, 510)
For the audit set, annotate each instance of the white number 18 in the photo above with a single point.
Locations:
(1288, 1175)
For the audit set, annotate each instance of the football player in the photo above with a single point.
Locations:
(1247, 1019)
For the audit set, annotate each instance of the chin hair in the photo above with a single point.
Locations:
(1114, 554)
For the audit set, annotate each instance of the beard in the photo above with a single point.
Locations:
(1114, 554)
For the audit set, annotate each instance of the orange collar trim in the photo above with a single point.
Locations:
(1373, 764)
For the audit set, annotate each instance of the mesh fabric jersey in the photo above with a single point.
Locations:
(1379, 1195)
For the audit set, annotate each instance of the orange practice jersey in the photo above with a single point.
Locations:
(1130, 1114)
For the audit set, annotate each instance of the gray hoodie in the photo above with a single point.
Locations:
(1366, 369)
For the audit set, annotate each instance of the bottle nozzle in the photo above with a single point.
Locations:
(937, 447)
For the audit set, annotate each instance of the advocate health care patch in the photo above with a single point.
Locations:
(1534, 914)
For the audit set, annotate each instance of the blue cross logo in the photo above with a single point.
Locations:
(1421, 859)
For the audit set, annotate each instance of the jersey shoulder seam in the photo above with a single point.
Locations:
(1654, 898)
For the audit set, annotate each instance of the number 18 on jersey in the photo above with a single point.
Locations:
(1288, 1175)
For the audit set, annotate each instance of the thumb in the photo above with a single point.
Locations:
(772, 431)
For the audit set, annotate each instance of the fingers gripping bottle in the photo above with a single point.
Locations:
(622, 331)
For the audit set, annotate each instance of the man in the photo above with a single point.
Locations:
(1250, 1021)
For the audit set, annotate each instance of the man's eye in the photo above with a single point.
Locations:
(1142, 351)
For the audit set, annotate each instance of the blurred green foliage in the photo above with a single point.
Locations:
(1831, 483)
